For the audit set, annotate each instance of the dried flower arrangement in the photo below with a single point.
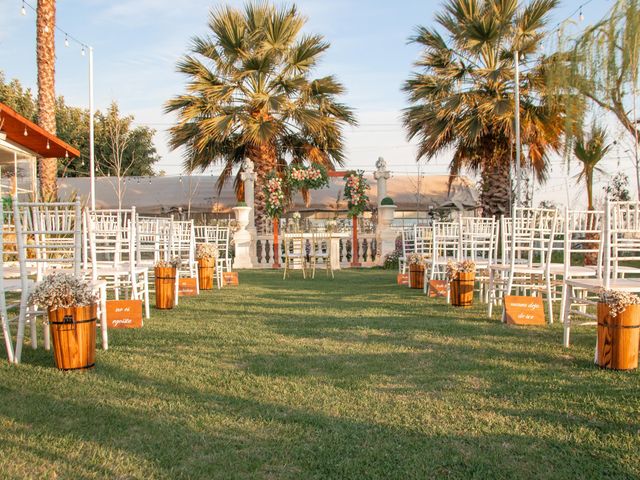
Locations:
(173, 263)
(416, 259)
(206, 251)
(618, 300)
(454, 268)
(62, 290)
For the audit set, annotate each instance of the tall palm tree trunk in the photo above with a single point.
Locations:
(496, 188)
(590, 258)
(46, 56)
(264, 158)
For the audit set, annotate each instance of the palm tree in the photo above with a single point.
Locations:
(250, 95)
(463, 95)
(46, 60)
(589, 150)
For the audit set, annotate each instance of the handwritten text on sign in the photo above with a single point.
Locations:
(437, 288)
(187, 287)
(124, 313)
(230, 278)
(403, 279)
(524, 310)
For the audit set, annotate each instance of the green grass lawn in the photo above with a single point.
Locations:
(354, 378)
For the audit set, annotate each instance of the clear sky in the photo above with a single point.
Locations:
(137, 44)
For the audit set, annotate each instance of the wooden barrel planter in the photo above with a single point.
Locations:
(206, 269)
(461, 289)
(618, 338)
(165, 287)
(416, 276)
(73, 335)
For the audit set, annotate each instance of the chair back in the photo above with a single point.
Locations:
(622, 237)
(446, 242)
(49, 236)
(111, 238)
(408, 240)
(582, 232)
(478, 238)
(183, 241)
(152, 237)
(530, 237)
(423, 240)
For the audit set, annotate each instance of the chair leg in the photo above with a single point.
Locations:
(22, 320)
(6, 331)
(34, 331)
(566, 317)
(491, 292)
(549, 300)
(146, 295)
(46, 334)
(103, 318)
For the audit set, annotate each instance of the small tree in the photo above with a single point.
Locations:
(589, 150)
(117, 132)
(618, 188)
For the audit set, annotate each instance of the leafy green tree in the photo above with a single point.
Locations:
(250, 94)
(602, 65)
(462, 97)
(72, 126)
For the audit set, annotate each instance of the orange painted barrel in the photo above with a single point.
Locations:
(416, 276)
(618, 337)
(165, 280)
(461, 289)
(206, 269)
(73, 336)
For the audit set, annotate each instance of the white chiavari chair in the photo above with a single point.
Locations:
(408, 246)
(321, 253)
(295, 255)
(527, 242)
(112, 254)
(10, 286)
(49, 235)
(182, 245)
(446, 247)
(152, 237)
(620, 244)
(478, 239)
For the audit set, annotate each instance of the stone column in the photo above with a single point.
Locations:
(248, 176)
(245, 237)
(385, 236)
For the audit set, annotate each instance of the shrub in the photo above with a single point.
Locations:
(387, 201)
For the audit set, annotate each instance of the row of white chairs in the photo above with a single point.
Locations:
(114, 249)
(566, 257)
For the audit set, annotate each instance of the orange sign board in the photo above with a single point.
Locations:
(124, 313)
(437, 288)
(187, 287)
(403, 279)
(230, 278)
(521, 310)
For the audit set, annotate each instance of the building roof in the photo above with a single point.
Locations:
(37, 139)
(162, 195)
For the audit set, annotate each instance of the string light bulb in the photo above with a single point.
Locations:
(23, 10)
(581, 15)
(66, 40)
(48, 146)
(66, 154)
(25, 132)
(82, 51)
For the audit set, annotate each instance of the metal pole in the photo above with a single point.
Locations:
(92, 165)
(516, 59)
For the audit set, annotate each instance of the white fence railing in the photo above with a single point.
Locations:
(368, 251)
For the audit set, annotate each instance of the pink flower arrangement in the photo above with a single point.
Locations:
(355, 192)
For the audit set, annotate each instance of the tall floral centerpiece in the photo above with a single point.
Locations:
(355, 192)
(274, 206)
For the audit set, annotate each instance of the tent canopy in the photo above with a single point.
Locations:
(162, 195)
